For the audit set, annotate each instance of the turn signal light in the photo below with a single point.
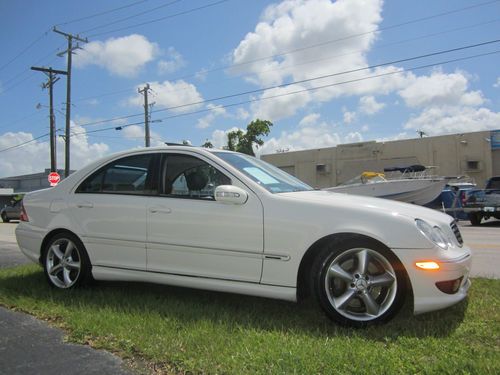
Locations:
(427, 265)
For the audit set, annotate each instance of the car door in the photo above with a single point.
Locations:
(189, 233)
(110, 209)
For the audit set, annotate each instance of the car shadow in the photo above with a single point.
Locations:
(228, 310)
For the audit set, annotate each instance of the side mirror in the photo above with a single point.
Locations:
(230, 194)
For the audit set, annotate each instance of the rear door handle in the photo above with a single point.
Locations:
(84, 205)
(160, 210)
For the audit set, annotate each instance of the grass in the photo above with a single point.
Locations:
(176, 330)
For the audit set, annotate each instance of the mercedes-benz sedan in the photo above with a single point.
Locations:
(229, 222)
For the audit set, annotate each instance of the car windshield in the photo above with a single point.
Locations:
(268, 176)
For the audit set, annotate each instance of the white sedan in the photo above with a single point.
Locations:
(229, 222)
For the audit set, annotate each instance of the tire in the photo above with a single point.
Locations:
(358, 282)
(475, 218)
(66, 263)
(5, 219)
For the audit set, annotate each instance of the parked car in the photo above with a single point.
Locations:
(11, 212)
(228, 222)
(484, 203)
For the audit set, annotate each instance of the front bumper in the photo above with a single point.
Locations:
(453, 265)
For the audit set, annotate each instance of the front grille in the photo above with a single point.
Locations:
(456, 232)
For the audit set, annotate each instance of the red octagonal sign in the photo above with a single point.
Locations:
(54, 178)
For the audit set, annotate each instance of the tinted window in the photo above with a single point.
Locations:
(129, 175)
(189, 177)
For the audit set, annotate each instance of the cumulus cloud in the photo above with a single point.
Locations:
(454, 119)
(440, 89)
(296, 25)
(369, 105)
(309, 119)
(123, 56)
(169, 94)
(206, 121)
(174, 62)
(35, 155)
(279, 103)
(219, 137)
(497, 84)
(136, 132)
(349, 116)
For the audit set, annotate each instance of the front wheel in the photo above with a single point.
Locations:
(66, 263)
(5, 219)
(475, 218)
(358, 282)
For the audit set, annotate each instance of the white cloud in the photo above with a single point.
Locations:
(497, 84)
(293, 25)
(369, 105)
(170, 95)
(277, 104)
(35, 155)
(242, 114)
(349, 116)
(123, 56)
(440, 89)
(174, 62)
(365, 128)
(309, 119)
(138, 133)
(454, 119)
(206, 121)
(219, 137)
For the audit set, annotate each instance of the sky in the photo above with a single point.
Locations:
(323, 72)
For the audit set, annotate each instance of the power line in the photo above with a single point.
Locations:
(24, 50)
(162, 18)
(130, 17)
(101, 13)
(24, 143)
(300, 81)
(301, 91)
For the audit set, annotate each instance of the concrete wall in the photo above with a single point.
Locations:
(454, 155)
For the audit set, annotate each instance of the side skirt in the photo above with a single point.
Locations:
(226, 286)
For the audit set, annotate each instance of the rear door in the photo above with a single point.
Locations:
(110, 208)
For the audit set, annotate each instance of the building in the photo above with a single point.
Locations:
(28, 182)
(474, 154)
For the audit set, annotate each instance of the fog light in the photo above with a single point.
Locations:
(427, 265)
(449, 286)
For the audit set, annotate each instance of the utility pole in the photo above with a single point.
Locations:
(69, 51)
(51, 73)
(145, 92)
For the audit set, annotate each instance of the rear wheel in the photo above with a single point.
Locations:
(358, 282)
(5, 219)
(66, 262)
(475, 218)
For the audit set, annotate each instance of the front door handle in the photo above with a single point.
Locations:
(160, 210)
(84, 205)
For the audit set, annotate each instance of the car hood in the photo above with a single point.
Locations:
(367, 204)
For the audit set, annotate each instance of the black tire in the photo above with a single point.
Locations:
(475, 218)
(356, 295)
(66, 268)
(5, 219)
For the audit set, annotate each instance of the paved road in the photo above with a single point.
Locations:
(29, 346)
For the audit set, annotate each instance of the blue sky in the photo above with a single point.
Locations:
(199, 50)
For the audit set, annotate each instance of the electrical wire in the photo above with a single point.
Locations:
(299, 81)
(24, 50)
(163, 18)
(24, 143)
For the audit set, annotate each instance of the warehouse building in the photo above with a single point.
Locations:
(476, 155)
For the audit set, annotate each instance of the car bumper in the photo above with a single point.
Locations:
(29, 240)
(428, 285)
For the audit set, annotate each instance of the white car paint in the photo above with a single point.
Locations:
(254, 248)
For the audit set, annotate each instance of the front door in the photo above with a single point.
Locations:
(189, 233)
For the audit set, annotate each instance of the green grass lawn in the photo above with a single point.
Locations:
(180, 330)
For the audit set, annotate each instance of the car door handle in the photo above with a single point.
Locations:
(160, 210)
(84, 205)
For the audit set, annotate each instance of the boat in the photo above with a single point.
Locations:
(405, 184)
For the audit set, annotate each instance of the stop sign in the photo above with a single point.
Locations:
(54, 178)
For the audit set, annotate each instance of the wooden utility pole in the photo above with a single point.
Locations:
(69, 51)
(51, 74)
(145, 92)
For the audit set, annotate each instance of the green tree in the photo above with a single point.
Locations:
(243, 142)
(207, 144)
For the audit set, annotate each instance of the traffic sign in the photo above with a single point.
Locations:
(54, 178)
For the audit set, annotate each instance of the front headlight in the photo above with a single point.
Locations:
(434, 234)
